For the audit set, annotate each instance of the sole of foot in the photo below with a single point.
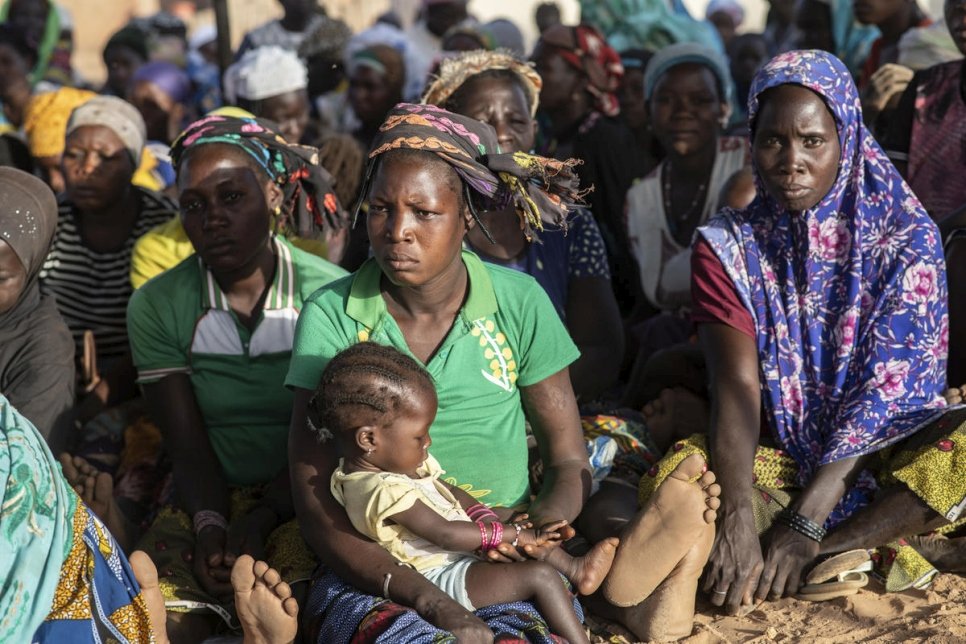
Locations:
(147, 575)
(264, 603)
(677, 516)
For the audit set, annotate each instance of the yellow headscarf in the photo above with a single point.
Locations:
(45, 121)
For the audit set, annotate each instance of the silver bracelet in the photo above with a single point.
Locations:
(385, 585)
(516, 539)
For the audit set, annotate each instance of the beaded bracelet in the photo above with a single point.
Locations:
(205, 518)
(516, 539)
(801, 524)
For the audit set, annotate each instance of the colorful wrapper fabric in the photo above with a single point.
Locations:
(310, 202)
(539, 188)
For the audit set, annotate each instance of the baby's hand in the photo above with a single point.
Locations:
(551, 532)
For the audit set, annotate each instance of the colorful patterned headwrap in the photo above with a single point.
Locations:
(538, 187)
(586, 50)
(454, 72)
(848, 298)
(310, 203)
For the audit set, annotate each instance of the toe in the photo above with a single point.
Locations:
(271, 577)
(713, 491)
(243, 574)
(291, 607)
(710, 516)
(104, 487)
(713, 503)
(282, 590)
(67, 465)
(707, 479)
(690, 468)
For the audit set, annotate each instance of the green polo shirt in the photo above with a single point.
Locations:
(507, 336)
(180, 322)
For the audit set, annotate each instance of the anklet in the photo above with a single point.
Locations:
(801, 524)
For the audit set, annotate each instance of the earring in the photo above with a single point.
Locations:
(368, 451)
(278, 210)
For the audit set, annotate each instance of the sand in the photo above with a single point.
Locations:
(936, 615)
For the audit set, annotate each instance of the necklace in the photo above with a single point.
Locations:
(666, 189)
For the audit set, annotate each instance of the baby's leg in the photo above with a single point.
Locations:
(496, 583)
(587, 572)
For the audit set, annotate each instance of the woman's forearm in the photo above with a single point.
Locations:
(829, 484)
(565, 489)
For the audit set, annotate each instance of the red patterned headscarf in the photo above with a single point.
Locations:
(586, 50)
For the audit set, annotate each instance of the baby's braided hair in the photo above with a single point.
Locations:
(366, 384)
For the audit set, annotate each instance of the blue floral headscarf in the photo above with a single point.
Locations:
(848, 298)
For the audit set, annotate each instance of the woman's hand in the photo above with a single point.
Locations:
(209, 564)
(736, 561)
(788, 554)
(247, 535)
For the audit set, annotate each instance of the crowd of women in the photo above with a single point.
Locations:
(376, 336)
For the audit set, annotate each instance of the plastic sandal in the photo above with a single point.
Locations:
(839, 565)
(849, 584)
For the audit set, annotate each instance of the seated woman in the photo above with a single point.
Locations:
(271, 83)
(64, 577)
(688, 92)
(578, 116)
(45, 124)
(161, 91)
(570, 264)
(928, 131)
(497, 353)
(90, 258)
(36, 350)
(211, 339)
(821, 309)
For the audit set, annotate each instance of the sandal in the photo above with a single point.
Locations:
(837, 576)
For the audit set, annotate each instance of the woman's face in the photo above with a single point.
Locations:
(13, 68)
(685, 109)
(875, 12)
(796, 147)
(121, 63)
(631, 96)
(955, 13)
(226, 206)
(415, 222)
(813, 20)
(290, 110)
(29, 17)
(13, 277)
(161, 113)
(97, 168)
(560, 80)
(371, 96)
(502, 104)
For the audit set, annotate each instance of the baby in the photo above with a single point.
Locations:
(379, 404)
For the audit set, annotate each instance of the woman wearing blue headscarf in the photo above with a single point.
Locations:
(821, 309)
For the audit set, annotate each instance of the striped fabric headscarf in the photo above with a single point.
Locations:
(310, 202)
(538, 187)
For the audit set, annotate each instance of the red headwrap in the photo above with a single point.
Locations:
(586, 50)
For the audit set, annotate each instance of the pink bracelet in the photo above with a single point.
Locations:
(206, 518)
(483, 541)
(496, 536)
(479, 511)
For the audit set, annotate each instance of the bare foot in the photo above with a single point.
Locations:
(264, 603)
(678, 514)
(588, 572)
(947, 555)
(955, 395)
(147, 575)
(96, 490)
(676, 414)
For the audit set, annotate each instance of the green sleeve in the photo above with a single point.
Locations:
(153, 336)
(545, 344)
(322, 331)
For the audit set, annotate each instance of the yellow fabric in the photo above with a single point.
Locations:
(167, 245)
(145, 176)
(45, 120)
(370, 498)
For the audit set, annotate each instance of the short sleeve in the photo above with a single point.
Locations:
(588, 255)
(714, 298)
(545, 346)
(318, 338)
(371, 498)
(154, 344)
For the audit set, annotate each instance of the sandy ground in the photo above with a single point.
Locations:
(936, 615)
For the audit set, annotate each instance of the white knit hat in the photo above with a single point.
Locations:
(265, 72)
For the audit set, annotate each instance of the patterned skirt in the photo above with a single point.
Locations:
(97, 598)
(931, 463)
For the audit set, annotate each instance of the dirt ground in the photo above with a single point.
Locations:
(936, 615)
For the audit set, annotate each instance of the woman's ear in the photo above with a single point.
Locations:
(273, 196)
(468, 219)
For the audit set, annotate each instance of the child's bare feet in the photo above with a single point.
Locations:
(955, 395)
(676, 414)
(264, 603)
(679, 513)
(96, 490)
(147, 575)
(587, 573)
